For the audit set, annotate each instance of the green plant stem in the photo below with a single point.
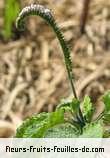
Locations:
(66, 56)
(69, 70)
(45, 13)
(48, 17)
(81, 117)
(100, 116)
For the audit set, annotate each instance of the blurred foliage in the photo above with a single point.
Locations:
(12, 8)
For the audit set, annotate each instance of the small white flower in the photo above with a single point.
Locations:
(47, 11)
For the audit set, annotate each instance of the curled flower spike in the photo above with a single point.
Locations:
(46, 14)
(33, 9)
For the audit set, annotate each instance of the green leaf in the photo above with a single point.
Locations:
(62, 131)
(36, 126)
(88, 109)
(93, 130)
(71, 105)
(106, 118)
(106, 113)
(12, 9)
(106, 133)
(106, 100)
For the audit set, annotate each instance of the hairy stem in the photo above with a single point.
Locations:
(46, 14)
